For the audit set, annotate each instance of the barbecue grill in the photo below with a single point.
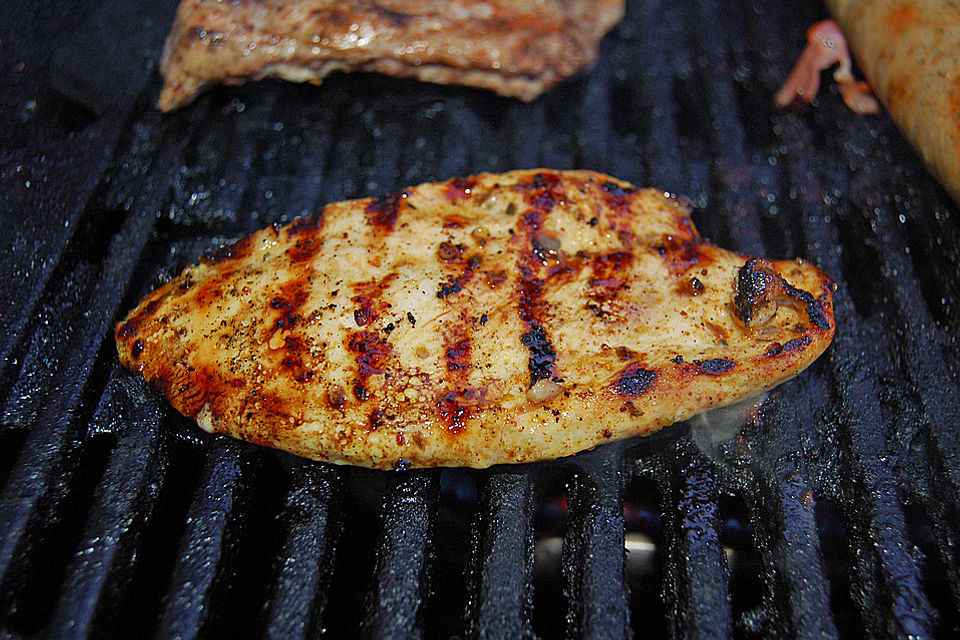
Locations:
(831, 511)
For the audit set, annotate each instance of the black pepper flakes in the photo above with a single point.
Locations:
(413, 321)
(483, 318)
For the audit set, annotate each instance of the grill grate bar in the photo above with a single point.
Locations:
(299, 597)
(785, 521)
(122, 506)
(400, 579)
(39, 474)
(734, 176)
(658, 23)
(890, 577)
(593, 556)
(924, 351)
(502, 588)
(696, 574)
(203, 543)
(72, 180)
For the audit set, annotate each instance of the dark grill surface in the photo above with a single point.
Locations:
(834, 512)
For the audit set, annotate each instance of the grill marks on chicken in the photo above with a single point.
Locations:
(491, 319)
(517, 48)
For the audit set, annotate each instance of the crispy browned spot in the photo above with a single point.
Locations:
(681, 254)
(617, 197)
(634, 380)
(608, 273)
(382, 212)
(759, 285)
(796, 344)
(185, 387)
(309, 242)
(714, 366)
(371, 353)
(459, 189)
(462, 271)
(369, 301)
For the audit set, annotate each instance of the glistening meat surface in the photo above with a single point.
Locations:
(483, 320)
(518, 48)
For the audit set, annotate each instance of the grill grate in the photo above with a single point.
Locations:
(833, 513)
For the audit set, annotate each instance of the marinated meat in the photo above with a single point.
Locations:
(517, 48)
(490, 319)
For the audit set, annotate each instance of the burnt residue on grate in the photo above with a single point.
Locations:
(831, 511)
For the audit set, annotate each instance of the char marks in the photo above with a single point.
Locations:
(292, 296)
(382, 212)
(368, 298)
(372, 353)
(759, 286)
(460, 265)
(634, 380)
(541, 193)
(795, 344)
(309, 237)
(681, 254)
(714, 366)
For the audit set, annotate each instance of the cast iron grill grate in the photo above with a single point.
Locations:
(832, 513)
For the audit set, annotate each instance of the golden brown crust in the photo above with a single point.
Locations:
(482, 320)
(518, 49)
(910, 52)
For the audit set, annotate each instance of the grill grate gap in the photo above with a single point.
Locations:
(550, 520)
(121, 506)
(363, 492)
(449, 547)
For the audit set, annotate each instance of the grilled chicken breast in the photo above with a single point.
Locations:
(482, 320)
(517, 48)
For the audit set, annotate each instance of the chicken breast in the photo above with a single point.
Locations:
(910, 52)
(482, 320)
(518, 48)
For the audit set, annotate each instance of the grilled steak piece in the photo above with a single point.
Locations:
(516, 48)
(482, 320)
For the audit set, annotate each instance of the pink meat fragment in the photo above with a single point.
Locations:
(826, 47)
